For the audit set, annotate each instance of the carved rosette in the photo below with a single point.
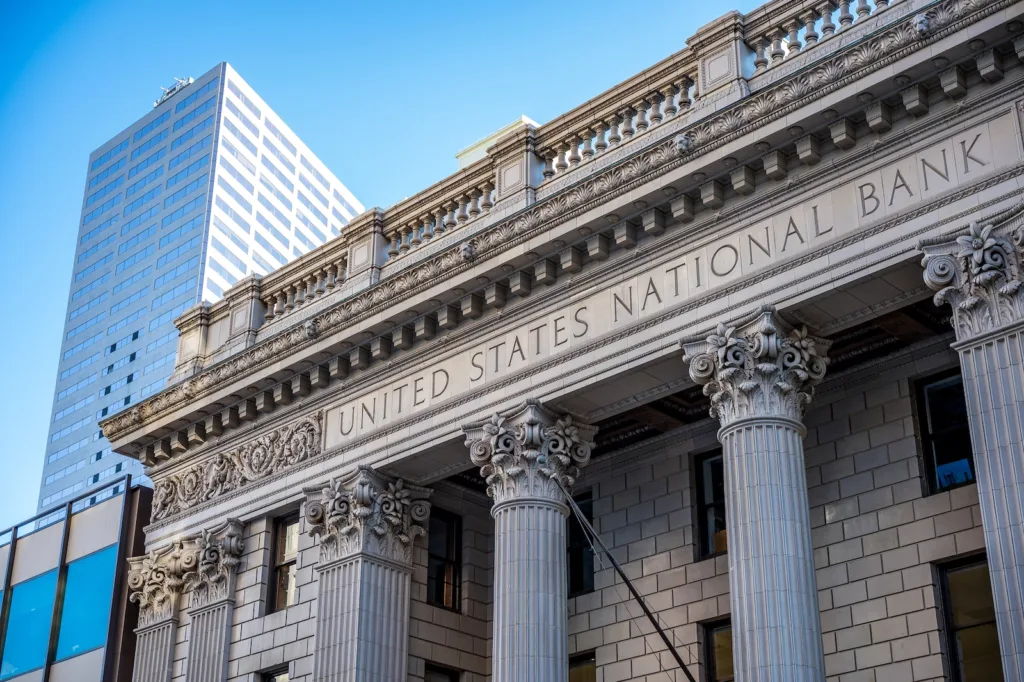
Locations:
(366, 513)
(977, 272)
(758, 368)
(522, 453)
(204, 563)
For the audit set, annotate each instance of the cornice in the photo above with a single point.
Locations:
(874, 53)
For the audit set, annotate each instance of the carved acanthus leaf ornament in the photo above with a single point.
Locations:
(978, 273)
(757, 368)
(204, 563)
(526, 452)
(775, 101)
(366, 513)
(239, 467)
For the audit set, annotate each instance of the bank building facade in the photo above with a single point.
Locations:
(755, 315)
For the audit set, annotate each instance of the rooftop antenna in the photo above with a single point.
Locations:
(169, 92)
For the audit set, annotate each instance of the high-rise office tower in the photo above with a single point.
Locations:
(208, 187)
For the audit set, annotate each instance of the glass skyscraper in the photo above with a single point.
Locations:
(208, 187)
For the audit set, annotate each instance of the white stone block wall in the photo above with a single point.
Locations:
(876, 538)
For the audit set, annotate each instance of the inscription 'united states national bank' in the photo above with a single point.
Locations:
(955, 161)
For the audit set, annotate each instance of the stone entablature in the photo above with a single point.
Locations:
(623, 234)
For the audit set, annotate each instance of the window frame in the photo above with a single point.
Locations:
(278, 522)
(452, 674)
(708, 646)
(454, 524)
(584, 657)
(270, 675)
(924, 435)
(584, 496)
(949, 630)
(700, 507)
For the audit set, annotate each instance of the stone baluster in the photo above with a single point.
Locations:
(574, 152)
(428, 226)
(657, 99)
(671, 90)
(600, 133)
(760, 375)
(828, 29)
(778, 53)
(810, 35)
(863, 9)
(587, 137)
(300, 294)
(761, 51)
(521, 453)
(614, 134)
(549, 163)
(627, 123)
(282, 300)
(641, 115)
(321, 282)
(684, 94)
(268, 303)
(845, 18)
(561, 164)
(396, 239)
(311, 288)
(449, 219)
(414, 234)
(474, 203)
(881, 5)
(978, 273)
(332, 277)
(290, 301)
(403, 240)
(486, 203)
(462, 216)
(793, 40)
(213, 600)
(367, 524)
(439, 226)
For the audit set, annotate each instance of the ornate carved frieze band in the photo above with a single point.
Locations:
(528, 451)
(253, 461)
(756, 368)
(873, 53)
(366, 513)
(204, 564)
(978, 273)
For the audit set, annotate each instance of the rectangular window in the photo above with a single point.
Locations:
(231, 128)
(150, 143)
(281, 138)
(191, 116)
(239, 178)
(230, 149)
(971, 638)
(234, 194)
(583, 668)
(718, 651)
(249, 104)
(580, 553)
(190, 152)
(275, 676)
(945, 436)
(148, 128)
(30, 612)
(279, 155)
(436, 673)
(191, 133)
(711, 526)
(147, 162)
(253, 128)
(191, 205)
(444, 560)
(188, 101)
(86, 610)
(106, 156)
(285, 555)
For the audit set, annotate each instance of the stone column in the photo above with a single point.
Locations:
(977, 272)
(156, 584)
(760, 375)
(213, 600)
(367, 524)
(522, 453)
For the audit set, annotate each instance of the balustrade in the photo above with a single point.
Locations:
(466, 207)
(302, 291)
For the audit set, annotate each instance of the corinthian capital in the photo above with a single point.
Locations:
(760, 367)
(204, 562)
(523, 452)
(978, 273)
(366, 512)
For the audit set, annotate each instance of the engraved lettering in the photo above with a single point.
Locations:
(619, 302)
(791, 230)
(944, 173)
(351, 421)
(675, 277)
(967, 154)
(416, 390)
(899, 182)
(472, 361)
(536, 338)
(818, 232)
(438, 391)
(651, 291)
(865, 198)
(398, 390)
(560, 330)
(496, 347)
(368, 413)
(517, 348)
(766, 247)
(586, 327)
(716, 262)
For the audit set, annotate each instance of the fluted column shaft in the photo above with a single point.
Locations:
(154, 651)
(362, 625)
(978, 273)
(209, 638)
(530, 456)
(367, 523)
(760, 375)
(776, 627)
(530, 599)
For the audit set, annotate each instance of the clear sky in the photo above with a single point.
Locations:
(384, 92)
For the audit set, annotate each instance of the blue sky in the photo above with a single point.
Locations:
(384, 92)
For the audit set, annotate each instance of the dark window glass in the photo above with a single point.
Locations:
(581, 555)
(438, 674)
(28, 625)
(444, 560)
(945, 436)
(718, 651)
(276, 676)
(86, 610)
(972, 641)
(711, 505)
(583, 668)
(286, 551)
